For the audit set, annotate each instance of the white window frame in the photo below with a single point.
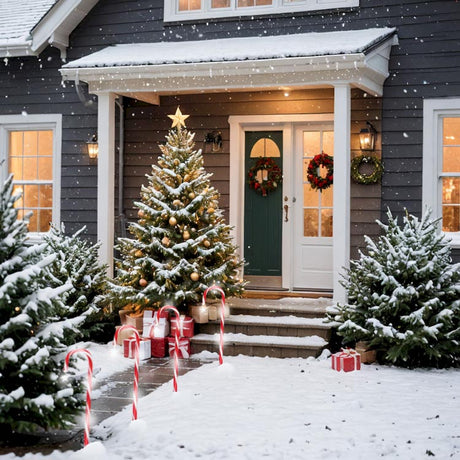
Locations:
(434, 110)
(172, 13)
(27, 122)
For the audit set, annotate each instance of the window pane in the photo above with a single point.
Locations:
(328, 142)
(265, 147)
(15, 168)
(45, 143)
(311, 143)
(19, 190)
(188, 5)
(45, 168)
(220, 4)
(44, 220)
(16, 143)
(30, 196)
(326, 222)
(310, 222)
(451, 218)
(30, 142)
(451, 159)
(46, 196)
(30, 168)
(451, 131)
(451, 190)
(33, 227)
(244, 3)
(326, 197)
(310, 196)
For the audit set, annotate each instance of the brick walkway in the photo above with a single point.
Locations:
(115, 393)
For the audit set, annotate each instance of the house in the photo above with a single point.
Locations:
(286, 79)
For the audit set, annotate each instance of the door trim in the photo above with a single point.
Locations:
(286, 123)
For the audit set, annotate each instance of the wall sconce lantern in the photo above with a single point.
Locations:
(367, 137)
(215, 139)
(92, 146)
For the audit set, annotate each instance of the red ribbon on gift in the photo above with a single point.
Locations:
(338, 359)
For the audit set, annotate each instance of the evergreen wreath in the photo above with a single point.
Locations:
(313, 176)
(274, 175)
(371, 178)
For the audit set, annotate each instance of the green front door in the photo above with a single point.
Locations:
(262, 214)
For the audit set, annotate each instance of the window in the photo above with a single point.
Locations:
(31, 146)
(180, 10)
(441, 163)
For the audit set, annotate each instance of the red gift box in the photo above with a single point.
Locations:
(144, 348)
(346, 360)
(186, 323)
(184, 347)
(159, 348)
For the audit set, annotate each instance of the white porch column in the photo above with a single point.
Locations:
(106, 178)
(341, 229)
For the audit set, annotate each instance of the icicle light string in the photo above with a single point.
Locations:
(88, 389)
(136, 363)
(222, 318)
(176, 340)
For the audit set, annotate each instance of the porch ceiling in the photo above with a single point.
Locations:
(359, 58)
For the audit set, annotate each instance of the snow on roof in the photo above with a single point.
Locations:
(235, 49)
(19, 17)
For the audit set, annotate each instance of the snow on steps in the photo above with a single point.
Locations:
(288, 327)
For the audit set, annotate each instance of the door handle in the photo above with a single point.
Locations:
(286, 210)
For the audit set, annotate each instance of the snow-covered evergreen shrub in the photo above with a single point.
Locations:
(77, 263)
(404, 296)
(32, 348)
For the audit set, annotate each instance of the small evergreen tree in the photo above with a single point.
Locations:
(181, 243)
(404, 296)
(31, 334)
(77, 263)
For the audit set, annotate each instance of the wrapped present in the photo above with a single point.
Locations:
(346, 360)
(199, 313)
(159, 347)
(367, 355)
(213, 313)
(148, 319)
(159, 328)
(186, 326)
(184, 347)
(145, 348)
(124, 334)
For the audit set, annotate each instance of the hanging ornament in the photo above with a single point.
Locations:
(194, 276)
(172, 221)
(164, 216)
(179, 178)
(186, 177)
(143, 282)
(211, 210)
(176, 162)
(165, 241)
(206, 243)
(141, 213)
(177, 203)
(138, 253)
(186, 235)
(191, 195)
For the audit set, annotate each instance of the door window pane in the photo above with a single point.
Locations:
(310, 222)
(30, 160)
(326, 222)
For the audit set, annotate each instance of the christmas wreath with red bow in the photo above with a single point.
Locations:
(265, 176)
(316, 180)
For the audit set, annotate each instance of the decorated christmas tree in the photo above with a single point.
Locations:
(77, 263)
(181, 244)
(404, 296)
(32, 351)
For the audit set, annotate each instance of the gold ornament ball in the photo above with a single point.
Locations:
(211, 210)
(143, 282)
(194, 276)
(172, 221)
(177, 203)
(165, 241)
(139, 253)
(207, 243)
(191, 195)
(186, 235)
(176, 162)
(141, 213)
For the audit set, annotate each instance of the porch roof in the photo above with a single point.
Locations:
(358, 57)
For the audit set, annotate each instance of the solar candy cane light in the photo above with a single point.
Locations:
(176, 340)
(88, 389)
(222, 318)
(136, 363)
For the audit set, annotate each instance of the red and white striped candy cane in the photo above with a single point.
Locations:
(88, 389)
(222, 318)
(176, 340)
(136, 363)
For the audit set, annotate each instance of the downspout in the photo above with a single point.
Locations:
(121, 143)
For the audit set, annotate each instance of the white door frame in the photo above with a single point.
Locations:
(286, 123)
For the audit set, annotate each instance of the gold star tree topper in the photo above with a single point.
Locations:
(178, 119)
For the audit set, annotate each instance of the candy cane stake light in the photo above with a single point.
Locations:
(136, 363)
(176, 340)
(88, 389)
(222, 318)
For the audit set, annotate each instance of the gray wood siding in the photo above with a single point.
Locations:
(425, 64)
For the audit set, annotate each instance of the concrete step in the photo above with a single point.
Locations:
(291, 306)
(283, 326)
(260, 345)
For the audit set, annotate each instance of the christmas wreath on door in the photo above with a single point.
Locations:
(265, 176)
(313, 171)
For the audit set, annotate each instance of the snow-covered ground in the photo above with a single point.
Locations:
(255, 408)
